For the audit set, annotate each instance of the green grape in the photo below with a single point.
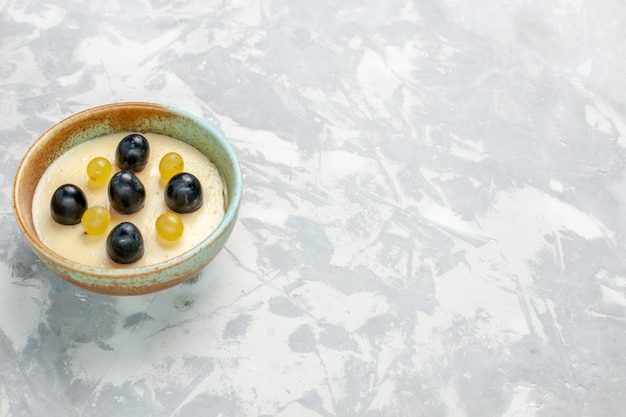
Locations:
(96, 220)
(99, 170)
(169, 226)
(171, 164)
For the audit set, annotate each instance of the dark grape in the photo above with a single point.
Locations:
(126, 192)
(132, 152)
(67, 205)
(125, 243)
(183, 193)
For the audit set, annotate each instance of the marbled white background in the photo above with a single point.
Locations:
(433, 220)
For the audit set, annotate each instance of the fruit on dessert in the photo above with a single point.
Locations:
(175, 233)
(133, 152)
(183, 193)
(171, 164)
(99, 170)
(169, 226)
(126, 192)
(67, 205)
(124, 243)
(95, 220)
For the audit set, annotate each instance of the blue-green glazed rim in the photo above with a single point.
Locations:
(139, 117)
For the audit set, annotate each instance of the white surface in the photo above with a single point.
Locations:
(432, 223)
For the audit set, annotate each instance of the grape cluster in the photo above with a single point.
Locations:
(127, 194)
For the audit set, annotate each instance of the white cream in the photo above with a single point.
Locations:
(71, 241)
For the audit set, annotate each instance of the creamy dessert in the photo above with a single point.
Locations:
(72, 241)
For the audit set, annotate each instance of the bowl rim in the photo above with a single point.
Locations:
(126, 272)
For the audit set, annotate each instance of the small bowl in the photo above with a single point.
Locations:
(123, 117)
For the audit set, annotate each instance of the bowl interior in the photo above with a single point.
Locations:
(103, 120)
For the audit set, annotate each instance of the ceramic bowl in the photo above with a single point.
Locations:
(123, 117)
